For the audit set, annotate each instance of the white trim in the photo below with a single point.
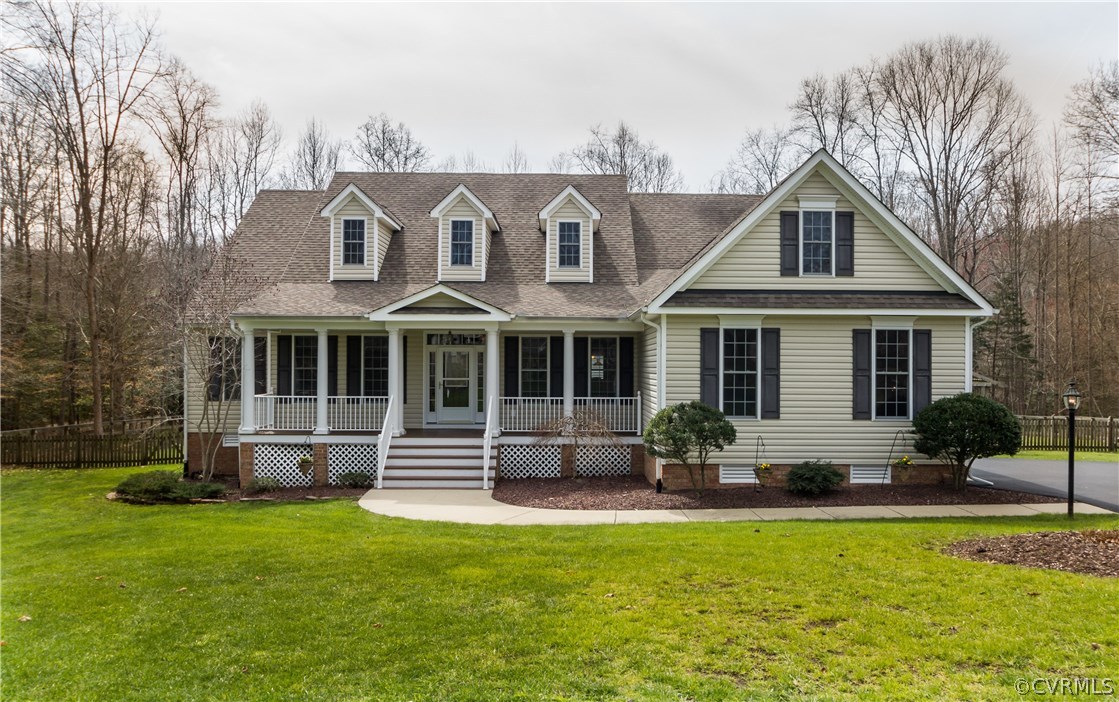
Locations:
(308, 437)
(880, 322)
(818, 312)
(364, 244)
(895, 229)
(748, 321)
(383, 314)
(332, 207)
(451, 244)
(901, 326)
(445, 203)
(330, 278)
(662, 369)
(817, 202)
(800, 244)
(573, 193)
(559, 266)
(376, 249)
(439, 262)
(757, 369)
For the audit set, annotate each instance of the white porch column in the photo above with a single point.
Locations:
(322, 426)
(492, 386)
(248, 381)
(396, 386)
(568, 372)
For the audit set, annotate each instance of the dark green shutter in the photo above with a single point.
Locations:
(771, 374)
(845, 243)
(331, 365)
(555, 370)
(260, 365)
(582, 372)
(922, 369)
(709, 367)
(512, 367)
(354, 358)
(861, 380)
(790, 223)
(625, 366)
(283, 364)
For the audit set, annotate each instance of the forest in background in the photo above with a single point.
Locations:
(121, 177)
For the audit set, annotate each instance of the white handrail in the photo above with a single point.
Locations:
(487, 445)
(383, 442)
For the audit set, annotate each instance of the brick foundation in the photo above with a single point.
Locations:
(676, 477)
(320, 477)
(225, 460)
(245, 474)
(637, 459)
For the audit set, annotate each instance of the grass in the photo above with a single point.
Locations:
(324, 601)
(1090, 456)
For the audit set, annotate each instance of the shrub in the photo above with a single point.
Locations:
(687, 430)
(257, 486)
(959, 429)
(813, 478)
(166, 486)
(355, 479)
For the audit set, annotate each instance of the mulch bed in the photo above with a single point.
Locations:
(635, 492)
(1093, 551)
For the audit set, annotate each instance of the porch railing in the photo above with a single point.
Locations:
(620, 414)
(298, 412)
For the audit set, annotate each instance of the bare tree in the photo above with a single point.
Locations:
(468, 163)
(763, 159)
(1093, 111)
(314, 161)
(825, 116)
(621, 152)
(515, 161)
(384, 147)
(240, 160)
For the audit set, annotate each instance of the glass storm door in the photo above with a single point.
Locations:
(455, 391)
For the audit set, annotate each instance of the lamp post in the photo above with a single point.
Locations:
(1072, 403)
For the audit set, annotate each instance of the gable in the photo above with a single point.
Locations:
(753, 262)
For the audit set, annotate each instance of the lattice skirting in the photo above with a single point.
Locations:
(281, 461)
(594, 461)
(350, 458)
(527, 461)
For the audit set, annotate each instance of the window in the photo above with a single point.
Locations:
(603, 366)
(740, 372)
(225, 368)
(891, 373)
(375, 366)
(570, 244)
(353, 242)
(534, 366)
(304, 367)
(816, 242)
(462, 242)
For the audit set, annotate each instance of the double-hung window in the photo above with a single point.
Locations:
(534, 366)
(353, 242)
(603, 366)
(891, 373)
(740, 372)
(462, 242)
(225, 368)
(304, 367)
(817, 242)
(375, 366)
(570, 244)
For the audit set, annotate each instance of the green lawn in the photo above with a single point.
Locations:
(324, 601)
(1091, 456)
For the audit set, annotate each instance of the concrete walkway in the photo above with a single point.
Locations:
(479, 507)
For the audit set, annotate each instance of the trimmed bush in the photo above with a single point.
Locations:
(166, 486)
(813, 478)
(257, 486)
(355, 479)
(688, 433)
(959, 429)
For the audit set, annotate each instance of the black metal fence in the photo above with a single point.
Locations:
(138, 443)
(1051, 433)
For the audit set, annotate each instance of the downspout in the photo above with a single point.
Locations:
(660, 331)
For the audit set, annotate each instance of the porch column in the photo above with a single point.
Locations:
(322, 373)
(568, 372)
(396, 387)
(492, 387)
(248, 381)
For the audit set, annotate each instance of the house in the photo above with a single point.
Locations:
(420, 326)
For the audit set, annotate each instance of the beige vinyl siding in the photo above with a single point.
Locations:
(354, 209)
(196, 389)
(384, 237)
(647, 373)
(442, 300)
(754, 262)
(568, 211)
(816, 387)
(417, 368)
(462, 209)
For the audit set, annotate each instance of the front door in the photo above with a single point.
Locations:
(455, 385)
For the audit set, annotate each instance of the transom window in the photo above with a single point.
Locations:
(891, 373)
(740, 372)
(816, 249)
(304, 367)
(534, 366)
(570, 244)
(353, 242)
(462, 242)
(375, 366)
(603, 366)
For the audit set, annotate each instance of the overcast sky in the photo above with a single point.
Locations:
(691, 77)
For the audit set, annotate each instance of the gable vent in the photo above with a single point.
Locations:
(877, 475)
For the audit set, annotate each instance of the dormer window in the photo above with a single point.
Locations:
(462, 242)
(353, 242)
(817, 242)
(570, 254)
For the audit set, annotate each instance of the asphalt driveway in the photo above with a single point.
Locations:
(1096, 483)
